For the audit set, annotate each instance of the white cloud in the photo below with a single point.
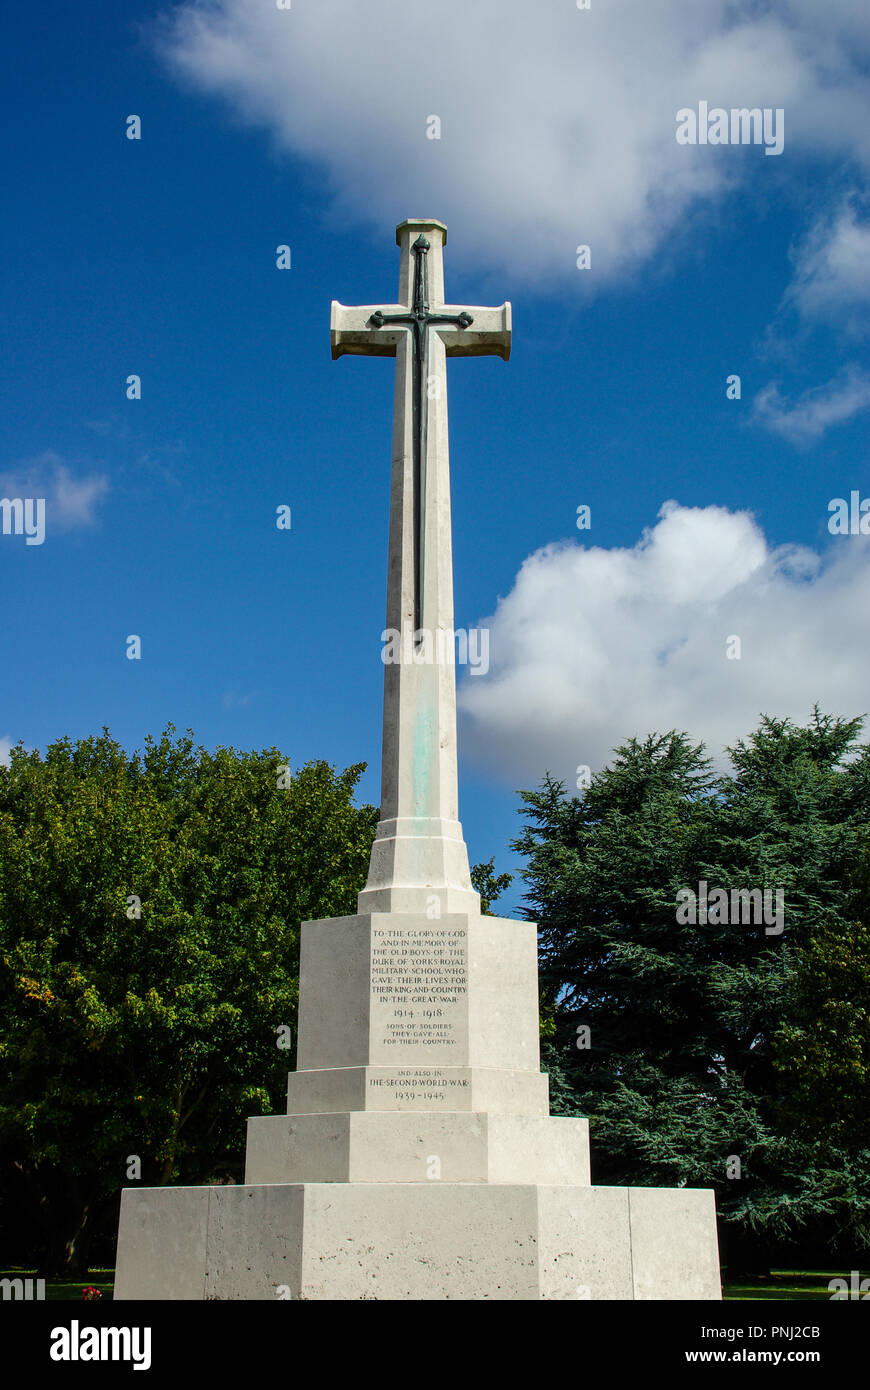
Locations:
(830, 286)
(558, 124)
(594, 645)
(805, 419)
(69, 501)
(832, 268)
(5, 749)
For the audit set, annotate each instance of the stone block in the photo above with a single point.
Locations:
(162, 1243)
(417, 1241)
(417, 1088)
(674, 1255)
(460, 990)
(255, 1241)
(405, 1147)
(586, 1248)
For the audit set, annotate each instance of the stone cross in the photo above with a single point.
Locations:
(417, 1158)
(419, 853)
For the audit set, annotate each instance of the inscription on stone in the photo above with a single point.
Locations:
(419, 991)
(424, 1086)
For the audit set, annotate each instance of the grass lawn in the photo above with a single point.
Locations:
(791, 1284)
(68, 1289)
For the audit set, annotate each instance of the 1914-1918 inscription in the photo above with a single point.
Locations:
(419, 991)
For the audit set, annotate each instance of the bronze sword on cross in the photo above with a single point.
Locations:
(419, 320)
(373, 331)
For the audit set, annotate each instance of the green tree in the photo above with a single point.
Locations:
(679, 1077)
(149, 921)
(489, 884)
(822, 1052)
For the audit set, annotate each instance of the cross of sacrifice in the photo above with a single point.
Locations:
(419, 840)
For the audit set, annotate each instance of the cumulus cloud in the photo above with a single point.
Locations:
(805, 419)
(558, 125)
(5, 749)
(592, 646)
(70, 501)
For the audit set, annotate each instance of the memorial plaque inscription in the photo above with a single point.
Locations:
(419, 994)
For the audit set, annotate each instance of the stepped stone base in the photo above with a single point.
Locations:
(418, 1089)
(405, 1147)
(398, 1241)
(409, 855)
(417, 1159)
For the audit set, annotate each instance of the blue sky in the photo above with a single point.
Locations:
(157, 257)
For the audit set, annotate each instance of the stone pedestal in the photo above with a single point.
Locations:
(447, 996)
(440, 1177)
(414, 1240)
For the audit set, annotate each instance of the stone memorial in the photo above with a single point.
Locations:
(417, 1158)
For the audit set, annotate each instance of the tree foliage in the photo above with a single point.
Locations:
(694, 1058)
(822, 1050)
(489, 884)
(150, 908)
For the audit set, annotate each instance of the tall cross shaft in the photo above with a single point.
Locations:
(419, 851)
(419, 320)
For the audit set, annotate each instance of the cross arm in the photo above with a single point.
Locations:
(351, 330)
(488, 336)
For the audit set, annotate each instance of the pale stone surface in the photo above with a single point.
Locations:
(402, 1147)
(524, 1148)
(421, 1241)
(586, 1248)
(417, 1088)
(458, 990)
(673, 1255)
(298, 1148)
(162, 1242)
(503, 1016)
(419, 850)
(255, 1241)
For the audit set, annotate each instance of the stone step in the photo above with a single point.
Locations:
(417, 1088)
(400, 1147)
(416, 1241)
